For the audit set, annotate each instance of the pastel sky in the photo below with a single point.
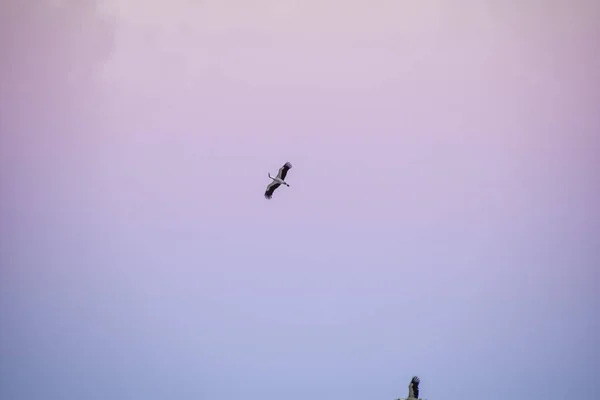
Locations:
(442, 219)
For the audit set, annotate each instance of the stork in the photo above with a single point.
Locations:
(278, 180)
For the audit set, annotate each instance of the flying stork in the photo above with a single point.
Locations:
(278, 180)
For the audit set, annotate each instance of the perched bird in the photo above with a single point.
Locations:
(413, 388)
(278, 180)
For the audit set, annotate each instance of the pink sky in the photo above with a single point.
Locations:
(442, 218)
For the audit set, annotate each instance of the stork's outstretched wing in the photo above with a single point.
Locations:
(270, 189)
(284, 170)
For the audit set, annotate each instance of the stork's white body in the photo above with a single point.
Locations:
(278, 180)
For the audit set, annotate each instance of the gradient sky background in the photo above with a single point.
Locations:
(443, 217)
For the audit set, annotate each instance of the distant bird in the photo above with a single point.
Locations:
(278, 181)
(413, 388)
